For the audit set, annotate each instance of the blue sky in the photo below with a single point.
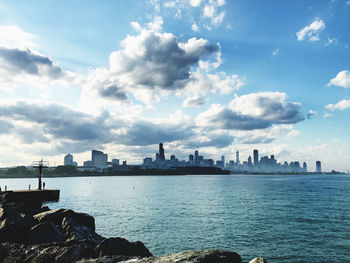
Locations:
(213, 75)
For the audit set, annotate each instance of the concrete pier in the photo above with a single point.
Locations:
(32, 195)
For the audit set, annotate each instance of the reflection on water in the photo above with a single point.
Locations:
(282, 218)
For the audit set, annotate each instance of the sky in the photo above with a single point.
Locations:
(218, 76)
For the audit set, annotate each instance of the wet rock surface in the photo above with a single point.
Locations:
(31, 233)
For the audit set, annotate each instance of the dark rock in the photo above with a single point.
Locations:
(14, 219)
(57, 215)
(3, 253)
(42, 233)
(122, 247)
(258, 260)
(57, 252)
(75, 231)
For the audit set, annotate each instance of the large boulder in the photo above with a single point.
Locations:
(56, 252)
(57, 215)
(15, 218)
(74, 231)
(122, 247)
(42, 233)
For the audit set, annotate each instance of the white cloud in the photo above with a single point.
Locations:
(195, 3)
(136, 26)
(291, 134)
(14, 37)
(341, 105)
(252, 111)
(312, 31)
(195, 27)
(342, 79)
(153, 64)
(211, 12)
(22, 65)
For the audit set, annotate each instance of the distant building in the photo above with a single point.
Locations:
(237, 157)
(99, 159)
(256, 157)
(68, 160)
(304, 167)
(87, 164)
(318, 167)
(161, 152)
(115, 162)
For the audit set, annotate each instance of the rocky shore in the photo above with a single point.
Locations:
(32, 233)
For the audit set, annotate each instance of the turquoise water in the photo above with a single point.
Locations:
(282, 218)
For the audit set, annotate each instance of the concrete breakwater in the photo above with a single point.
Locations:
(30, 232)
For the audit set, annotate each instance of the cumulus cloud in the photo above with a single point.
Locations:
(152, 63)
(252, 111)
(57, 120)
(341, 105)
(312, 31)
(342, 79)
(21, 64)
(16, 61)
(14, 37)
(210, 11)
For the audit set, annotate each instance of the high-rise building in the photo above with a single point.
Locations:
(223, 160)
(99, 159)
(196, 161)
(161, 152)
(256, 157)
(237, 157)
(304, 167)
(249, 160)
(68, 159)
(318, 167)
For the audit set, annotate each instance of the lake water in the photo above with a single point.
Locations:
(282, 218)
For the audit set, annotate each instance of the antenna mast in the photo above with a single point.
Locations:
(40, 165)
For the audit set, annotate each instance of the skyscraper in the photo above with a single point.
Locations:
(196, 161)
(304, 167)
(256, 157)
(68, 159)
(237, 157)
(161, 152)
(318, 167)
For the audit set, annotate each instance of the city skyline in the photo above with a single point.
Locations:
(219, 76)
(264, 164)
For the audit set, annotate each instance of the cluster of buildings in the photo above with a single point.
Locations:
(266, 164)
(98, 162)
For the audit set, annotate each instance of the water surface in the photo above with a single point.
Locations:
(282, 218)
